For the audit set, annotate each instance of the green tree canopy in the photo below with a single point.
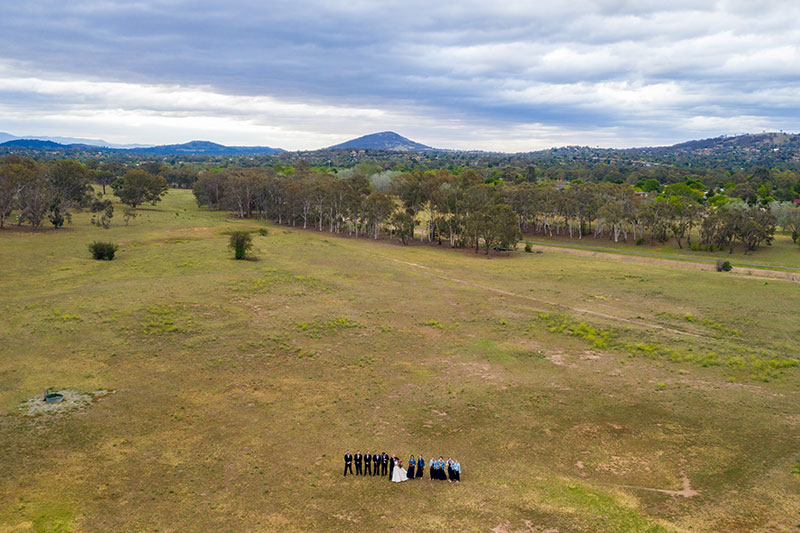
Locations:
(138, 186)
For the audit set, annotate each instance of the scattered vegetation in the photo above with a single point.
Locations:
(754, 366)
(161, 319)
(560, 430)
(106, 210)
(318, 327)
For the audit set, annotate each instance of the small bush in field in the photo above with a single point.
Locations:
(103, 250)
(240, 243)
(724, 266)
(528, 248)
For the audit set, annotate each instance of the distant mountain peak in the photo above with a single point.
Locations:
(384, 140)
(34, 144)
(192, 148)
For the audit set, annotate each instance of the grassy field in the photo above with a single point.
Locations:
(782, 253)
(579, 393)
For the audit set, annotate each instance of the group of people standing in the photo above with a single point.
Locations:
(381, 464)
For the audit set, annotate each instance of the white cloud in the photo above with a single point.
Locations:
(304, 74)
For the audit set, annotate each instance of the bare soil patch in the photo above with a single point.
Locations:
(686, 491)
(73, 401)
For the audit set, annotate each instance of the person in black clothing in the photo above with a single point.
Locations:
(384, 463)
(358, 458)
(348, 463)
(367, 464)
(391, 467)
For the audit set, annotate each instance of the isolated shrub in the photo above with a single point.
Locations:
(263, 232)
(724, 266)
(240, 243)
(57, 218)
(103, 250)
(106, 208)
(640, 241)
(528, 248)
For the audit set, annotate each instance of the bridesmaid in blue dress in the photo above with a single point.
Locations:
(412, 463)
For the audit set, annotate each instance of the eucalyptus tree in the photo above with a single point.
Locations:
(787, 216)
(242, 187)
(35, 197)
(378, 207)
(15, 173)
(209, 189)
(138, 186)
(409, 188)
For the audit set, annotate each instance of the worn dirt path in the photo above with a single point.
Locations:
(687, 491)
(439, 274)
(752, 271)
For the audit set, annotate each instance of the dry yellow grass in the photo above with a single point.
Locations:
(239, 384)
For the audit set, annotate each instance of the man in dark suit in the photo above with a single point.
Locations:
(367, 464)
(358, 458)
(384, 463)
(348, 463)
(391, 467)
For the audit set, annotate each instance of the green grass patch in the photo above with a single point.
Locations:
(162, 319)
(271, 278)
(754, 367)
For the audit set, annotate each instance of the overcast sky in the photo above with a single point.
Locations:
(504, 75)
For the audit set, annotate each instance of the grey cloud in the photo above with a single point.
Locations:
(488, 65)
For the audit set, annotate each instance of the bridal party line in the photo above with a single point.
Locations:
(382, 464)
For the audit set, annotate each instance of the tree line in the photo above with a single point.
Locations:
(462, 207)
(37, 190)
(465, 209)
(475, 216)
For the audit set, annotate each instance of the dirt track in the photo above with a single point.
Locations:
(757, 273)
(439, 274)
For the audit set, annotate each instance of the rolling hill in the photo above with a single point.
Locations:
(192, 148)
(385, 140)
(205, 148)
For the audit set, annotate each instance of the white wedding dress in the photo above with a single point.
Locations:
(398, 474)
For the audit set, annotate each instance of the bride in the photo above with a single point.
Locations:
(398, 474)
